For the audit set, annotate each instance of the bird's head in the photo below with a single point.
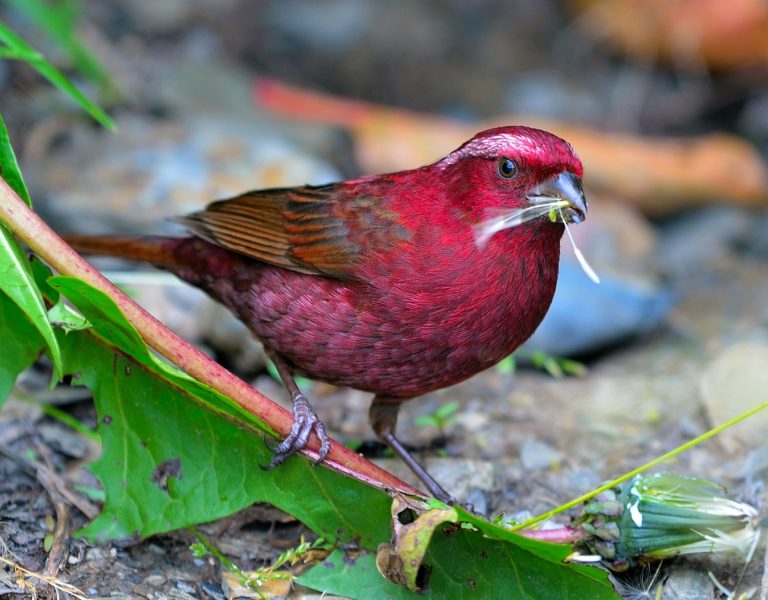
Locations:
(508, 176)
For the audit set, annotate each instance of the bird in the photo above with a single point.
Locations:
(397, 284)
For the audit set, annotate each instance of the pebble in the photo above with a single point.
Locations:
(698, 239)
(161, 168)
(155, 580)
(331, 26)
(735, 381)
(536, 455)
(95, 554)
(685, 583)
(461, 477)
(585, 317)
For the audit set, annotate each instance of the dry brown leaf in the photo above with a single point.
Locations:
(687, 33)
(658, 175)
(233, 587)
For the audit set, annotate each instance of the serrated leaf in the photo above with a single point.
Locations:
(22, 344)
(175, 453)
(354, 577)
(464, 564)
(169, 460)
(102, 312)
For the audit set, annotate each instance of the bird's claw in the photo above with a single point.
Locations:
(305, 421)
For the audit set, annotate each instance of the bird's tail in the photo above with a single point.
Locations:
(158, 250)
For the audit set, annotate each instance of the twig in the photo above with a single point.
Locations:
(38, 471)
(28, 227)
(58, 585)
(47, 477)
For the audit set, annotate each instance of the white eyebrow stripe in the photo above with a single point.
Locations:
(491, 147)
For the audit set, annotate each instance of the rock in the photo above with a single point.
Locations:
(685, 583)
(698, 239)
(155, 580)
(733, 383)
(550, 94)
(328, 27)
(95, 554)
(585, 317)
(536, 455)
(756, 464)
(461, 477)
(161, 168)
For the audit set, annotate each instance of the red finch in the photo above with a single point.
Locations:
(397, 284)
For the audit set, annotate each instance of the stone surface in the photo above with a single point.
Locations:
(160, 169)
(459, 475)
(536, 455)
(735, 381)
(685, 583)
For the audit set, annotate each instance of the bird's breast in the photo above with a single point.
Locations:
(404, 329)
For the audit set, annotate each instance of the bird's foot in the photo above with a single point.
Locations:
(305, 421)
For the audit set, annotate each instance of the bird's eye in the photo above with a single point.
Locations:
(507, 168)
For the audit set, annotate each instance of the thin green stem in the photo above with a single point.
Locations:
(64, 417)
(215, 552)
(672, 453)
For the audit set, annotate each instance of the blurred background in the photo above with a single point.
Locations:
(665, 101)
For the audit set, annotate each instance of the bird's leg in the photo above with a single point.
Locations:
(383, 418)
(305, 420)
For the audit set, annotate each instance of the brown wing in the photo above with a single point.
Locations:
(306, 229)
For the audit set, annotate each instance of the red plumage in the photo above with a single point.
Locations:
(398, 284)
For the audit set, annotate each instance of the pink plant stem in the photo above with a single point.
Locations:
(560, 535)
(28, 227)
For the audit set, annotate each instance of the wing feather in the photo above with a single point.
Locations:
(305, 229)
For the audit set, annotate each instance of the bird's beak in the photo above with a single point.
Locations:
(564, 188)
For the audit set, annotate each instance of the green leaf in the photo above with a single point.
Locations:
(103, 314)
(19, 49)
(169, 460)
(17, 282)
(9, 167)
(16, 278)
(354, 577)
(507, 366)
(22, 344)
(59, 20)
(464, 564)
(64, 317)
(175, 453)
